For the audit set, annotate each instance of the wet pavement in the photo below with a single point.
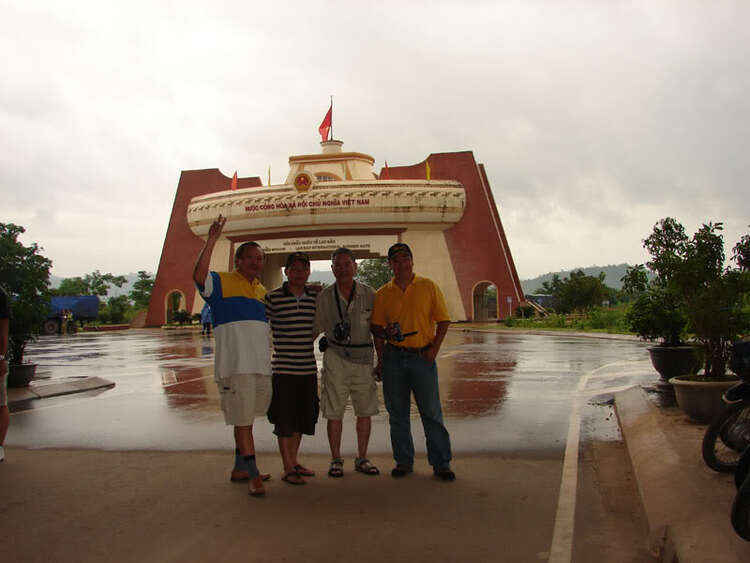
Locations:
(501, 392)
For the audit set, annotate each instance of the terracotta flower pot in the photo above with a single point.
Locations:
(701, 400)
(671, 361)
(20, 375)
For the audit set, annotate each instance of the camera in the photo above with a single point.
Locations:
(394, 332)
(342, 332)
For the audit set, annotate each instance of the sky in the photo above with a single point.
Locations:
(594, 119)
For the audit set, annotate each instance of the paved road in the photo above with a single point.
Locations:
(519, 402)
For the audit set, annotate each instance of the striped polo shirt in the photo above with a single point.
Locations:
(291, 319)
(240, 324)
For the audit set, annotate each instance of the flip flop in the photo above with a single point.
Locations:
(238, 476)
(293, 478)
(304, 471)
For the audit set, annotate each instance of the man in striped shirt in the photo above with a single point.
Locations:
(294, 405)
(242, 365)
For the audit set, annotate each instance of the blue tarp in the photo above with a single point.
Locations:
(82, 306)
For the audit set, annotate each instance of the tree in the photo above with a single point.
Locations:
(142, 288)
(25, 274)
(117, 306)
(97, 283)
(94, 283)
(73, 286)
(578, 292)
(375, 272)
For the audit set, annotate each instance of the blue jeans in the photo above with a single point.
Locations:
(403, 373)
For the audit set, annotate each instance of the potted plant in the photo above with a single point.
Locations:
(657, 314)
(692, 286)
(25, 274)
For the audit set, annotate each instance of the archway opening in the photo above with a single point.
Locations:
(485, 302)
(176, 306)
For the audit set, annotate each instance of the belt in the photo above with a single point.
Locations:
(410, 350)
(342, 345)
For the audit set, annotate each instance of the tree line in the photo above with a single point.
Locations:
(115, 309)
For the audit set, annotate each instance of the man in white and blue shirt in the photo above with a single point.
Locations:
(242, 356)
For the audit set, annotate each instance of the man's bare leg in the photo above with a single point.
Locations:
(335, 429)
(364, 425)
(288, 447)
(243, 439)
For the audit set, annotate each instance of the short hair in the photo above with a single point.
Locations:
(342, 250)
(241, 249)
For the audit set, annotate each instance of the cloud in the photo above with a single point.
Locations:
(593, 119)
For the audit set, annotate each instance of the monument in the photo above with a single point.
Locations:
(442, 208)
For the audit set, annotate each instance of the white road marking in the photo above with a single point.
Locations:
(561, 550)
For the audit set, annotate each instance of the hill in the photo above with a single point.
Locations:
(612, 275)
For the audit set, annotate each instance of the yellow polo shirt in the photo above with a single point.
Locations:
(418, 308)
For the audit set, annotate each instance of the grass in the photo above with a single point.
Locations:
(609, 320)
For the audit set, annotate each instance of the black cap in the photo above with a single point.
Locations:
(399, 247)
(297, 256)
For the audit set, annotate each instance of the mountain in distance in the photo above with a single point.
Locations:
(612, 276)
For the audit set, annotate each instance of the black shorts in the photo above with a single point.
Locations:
(294, 404)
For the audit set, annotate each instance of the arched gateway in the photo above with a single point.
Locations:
(442, 208)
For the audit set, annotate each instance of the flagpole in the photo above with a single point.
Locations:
(331, 139)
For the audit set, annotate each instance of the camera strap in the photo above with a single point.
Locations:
(348, 301)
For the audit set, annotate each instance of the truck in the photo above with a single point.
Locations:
(82, 307)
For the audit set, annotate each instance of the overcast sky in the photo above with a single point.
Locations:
(593, 119)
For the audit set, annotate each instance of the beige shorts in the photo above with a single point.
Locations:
(341, 379)
(244, 397)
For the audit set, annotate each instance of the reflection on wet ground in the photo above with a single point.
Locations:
(499, 391)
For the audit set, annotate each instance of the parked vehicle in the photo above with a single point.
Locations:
(728, 436)
(65, 308)
(741, 504)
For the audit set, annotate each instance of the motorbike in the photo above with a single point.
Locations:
(728, 435)
(726, 444)
(741, 504)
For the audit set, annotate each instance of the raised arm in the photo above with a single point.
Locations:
(204, 258)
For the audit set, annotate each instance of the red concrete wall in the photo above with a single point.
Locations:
(181, 246)
(478, 235)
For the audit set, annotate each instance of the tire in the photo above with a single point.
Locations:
(50, 326)
(726, 438)
(741, 512)
(743, 469)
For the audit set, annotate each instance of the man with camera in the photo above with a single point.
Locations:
(343, 314)
(409, 322)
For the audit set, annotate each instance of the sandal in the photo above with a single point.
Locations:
(293, 478)
(363, 465)
(304, 471)
(337, 468)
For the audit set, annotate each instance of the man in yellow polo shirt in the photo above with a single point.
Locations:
(409, 322)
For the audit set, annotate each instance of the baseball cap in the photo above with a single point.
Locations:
(297, 256)
(399, 247)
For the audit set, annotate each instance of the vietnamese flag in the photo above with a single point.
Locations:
(234, 180)
(325, 126)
